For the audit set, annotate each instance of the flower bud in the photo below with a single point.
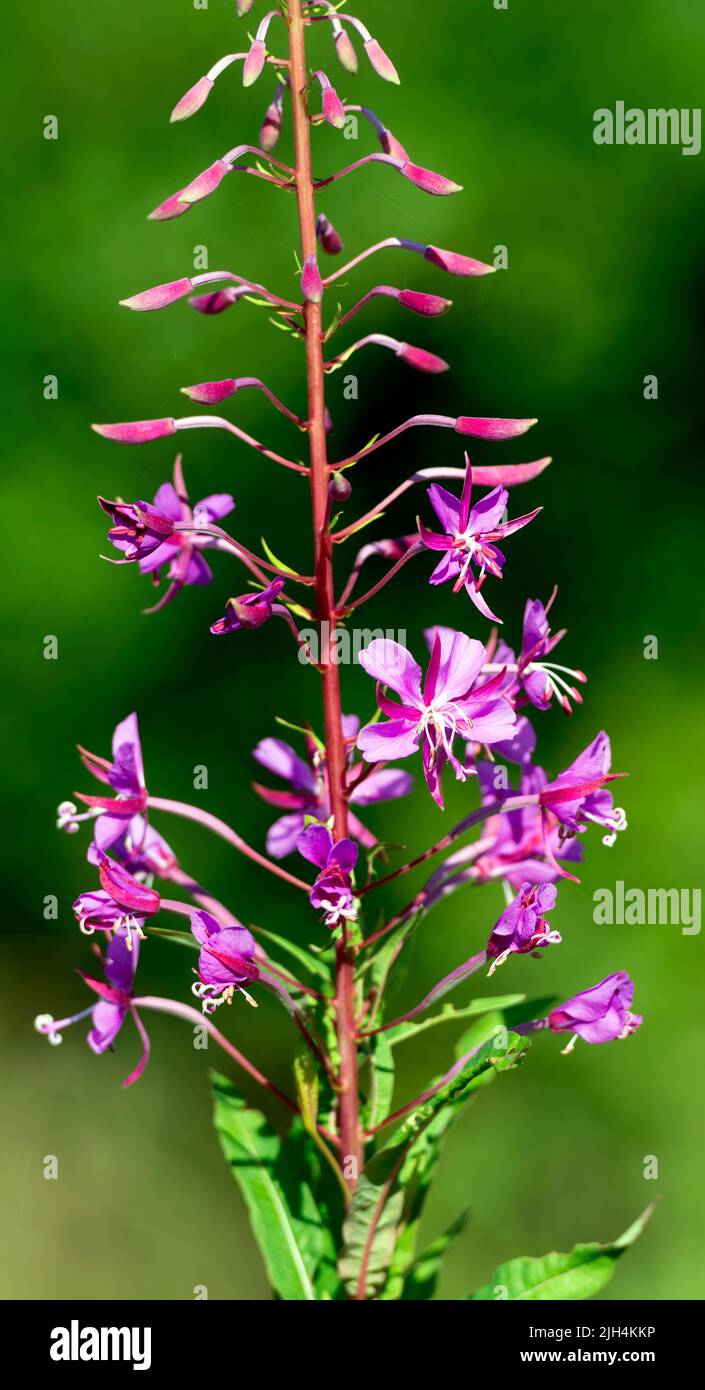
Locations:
(422, 360)
(455, 264)
(137, 431)
(381, 63)
(345, 50)
(254, 62)
(486, 427)
(218, 300)
(327, 421)
(211, 392)
(311, 283)
(205, 183)
(339, 488)
(243, 7)
(392, 146)
(272, 123)
(171, 207)
(430, 305)
(159, 296)
(192, 100)
(333, 108)
(327, 236)
(428, 181)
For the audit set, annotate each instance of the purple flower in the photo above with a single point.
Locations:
(522, 926)
(123, 902)
(225, 963)
(332, 891)
(249, 610)
(520, 845)
(597, 1015)
(540, 679)
(470, 536)
(450, 703)
(141, 849)
(184, 534)
(309, 794)
(125, 775)
(115, 1002)
(579, 795)
(138, 528)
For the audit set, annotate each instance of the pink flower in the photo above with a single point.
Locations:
(192, 100)
(311, 282)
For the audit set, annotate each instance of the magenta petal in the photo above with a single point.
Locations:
(204, 183)
(283, 834)
(315, 844)
(384, 785)
(311, 282)
(391, 664)
(333, 108)
(422, 360)
(137, 431)
(192, 100)
(488, 427)
(430, 305)
(171, 207)
(218, 300)
(394, 738)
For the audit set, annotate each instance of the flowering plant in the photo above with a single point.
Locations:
(336, 1200)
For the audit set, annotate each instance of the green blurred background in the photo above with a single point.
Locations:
(604, 287)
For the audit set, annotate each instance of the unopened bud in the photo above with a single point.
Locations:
(339, 488)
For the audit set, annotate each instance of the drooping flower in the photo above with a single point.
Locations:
(600, 1014)
(111, 815)
(332, 891)
(469, 539)
(541, 680)
(179, 548)
(451, 703)
(123, 902)
(309, 791)
(114, 1003)
(225, 963)
(522, 926)
(249, 610)
(579, 794)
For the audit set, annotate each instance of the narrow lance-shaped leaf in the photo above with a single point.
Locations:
(577, 1275)
(253, 1149)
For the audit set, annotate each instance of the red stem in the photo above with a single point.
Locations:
(351, 1144)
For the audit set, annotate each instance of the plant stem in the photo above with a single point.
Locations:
(351, 1143)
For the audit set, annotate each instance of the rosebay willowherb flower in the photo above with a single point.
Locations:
(474, 709)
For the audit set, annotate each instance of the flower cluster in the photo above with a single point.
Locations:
(464, 711)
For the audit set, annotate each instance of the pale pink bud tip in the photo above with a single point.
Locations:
(345, 50)
(333, 108)
(159, 296)
(428, 304)
(193, 100)
(382, 65)
(204, 183)
(311, 283)
(244, 7)
(486, 427)
(330, 240)
(455, 264)
(429, 182)
(422, 360)
(137, 431)
(171, 207)
(254, 62)
(211, 392)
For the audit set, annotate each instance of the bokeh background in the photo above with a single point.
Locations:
(604, 287)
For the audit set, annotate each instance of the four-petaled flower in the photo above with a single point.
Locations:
(310, 792)
(451, 702)
(332, 891)
(114, 1003)
(249, 610)
(522, 926)
(170, 533)
(470, 536)
(121, 903)
(597, 1015)
(579, 794)
(540, 680)
(225, 963)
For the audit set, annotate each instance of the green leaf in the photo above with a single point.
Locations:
(578, 1275)
(253, 1150)
(307, 1094)
(285, 569)
(421, 1279)
(318, 1220)
(178, 938)
(381, 1062)
(378, 1206)
(450, 1013)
